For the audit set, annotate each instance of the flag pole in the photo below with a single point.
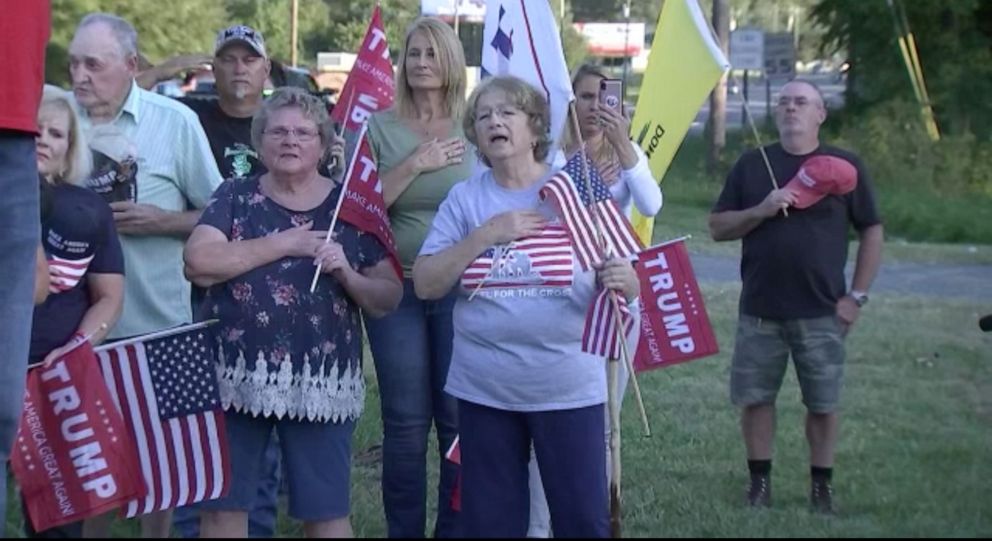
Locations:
(341, 196)
(613, 300)
(612, 366)
(159, 334)
(761, 148)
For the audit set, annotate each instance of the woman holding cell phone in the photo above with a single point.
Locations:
(606, 135)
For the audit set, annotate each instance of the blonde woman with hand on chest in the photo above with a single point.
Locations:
(421, 154)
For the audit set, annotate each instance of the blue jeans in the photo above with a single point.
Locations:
(261, 519)
(412, 351)
(20, 237)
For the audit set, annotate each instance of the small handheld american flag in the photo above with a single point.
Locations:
(567, 191)
(165, 387)
(586, 215)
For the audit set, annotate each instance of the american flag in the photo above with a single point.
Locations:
(65, 274)
(600, 335)
(568, 193)
(166, 389)
(543, 260)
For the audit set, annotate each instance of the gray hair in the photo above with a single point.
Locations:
(811, 84)
(290, 96)
(78, 158)
(521, 95)
(123, 31)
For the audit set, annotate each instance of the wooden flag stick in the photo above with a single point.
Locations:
(612, 370)
(630, 368)
(613, 299)
(761, 148)
(87, 338)
(341, 196)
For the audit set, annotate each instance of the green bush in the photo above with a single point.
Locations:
(926, 191)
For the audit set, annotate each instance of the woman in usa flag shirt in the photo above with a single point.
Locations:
(518, 368)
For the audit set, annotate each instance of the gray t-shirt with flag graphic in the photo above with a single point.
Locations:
(517, 343)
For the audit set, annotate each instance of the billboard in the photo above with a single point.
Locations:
(612, 39)
(468, 10)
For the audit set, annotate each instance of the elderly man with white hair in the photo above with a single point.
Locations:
(174, 172)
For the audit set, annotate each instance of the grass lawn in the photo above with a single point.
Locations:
(913, 458)
(915, 453)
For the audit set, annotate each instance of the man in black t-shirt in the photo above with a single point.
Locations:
(794, 297)
(240, 66)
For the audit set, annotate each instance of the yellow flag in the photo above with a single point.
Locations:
(684, 65)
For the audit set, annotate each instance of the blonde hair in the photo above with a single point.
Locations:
(450, 60)
(606, 153)
(521, 95)
(78, 157)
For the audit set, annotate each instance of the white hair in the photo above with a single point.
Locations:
(123, 31)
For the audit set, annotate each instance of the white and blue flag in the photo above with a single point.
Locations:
(520, 38)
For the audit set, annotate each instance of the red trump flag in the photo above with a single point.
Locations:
(370, 85)
(73, 457)
(363, 205)
(675, 327)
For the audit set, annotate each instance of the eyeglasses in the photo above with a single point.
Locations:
(302, 135)
(798, 102)
(504, 112)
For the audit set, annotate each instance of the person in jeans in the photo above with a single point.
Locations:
(420, 150)
(24, 30)
(794, 298)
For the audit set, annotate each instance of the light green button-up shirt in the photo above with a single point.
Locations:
(176, 172)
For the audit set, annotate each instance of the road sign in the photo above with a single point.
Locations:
(780, 56)
(747, 49)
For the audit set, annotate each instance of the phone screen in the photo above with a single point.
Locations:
(611, 94)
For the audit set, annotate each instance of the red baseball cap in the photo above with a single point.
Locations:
(821, 176)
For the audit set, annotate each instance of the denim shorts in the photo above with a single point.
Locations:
(316, 465)
(761, 356)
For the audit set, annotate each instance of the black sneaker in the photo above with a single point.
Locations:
(821, 497)
(759, 493)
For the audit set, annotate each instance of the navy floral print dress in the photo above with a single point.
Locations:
(283, 351)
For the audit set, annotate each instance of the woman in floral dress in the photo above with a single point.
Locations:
(288, 359)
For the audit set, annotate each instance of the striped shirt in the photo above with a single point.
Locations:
(176, 172)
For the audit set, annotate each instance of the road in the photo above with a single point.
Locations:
(962, 282)
(833, 93)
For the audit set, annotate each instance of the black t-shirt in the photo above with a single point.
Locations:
(229, 137)
(79, 238)
(793, 267)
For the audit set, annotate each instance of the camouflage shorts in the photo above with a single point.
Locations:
(761, 356)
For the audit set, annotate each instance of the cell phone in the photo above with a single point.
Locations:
(611, 94)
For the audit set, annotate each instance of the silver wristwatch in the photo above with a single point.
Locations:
(860, 297)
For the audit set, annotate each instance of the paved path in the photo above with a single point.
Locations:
(970, 282)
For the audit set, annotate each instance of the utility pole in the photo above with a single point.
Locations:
(626, 43)
(716, 136)
(293, 18)
(457, 17)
